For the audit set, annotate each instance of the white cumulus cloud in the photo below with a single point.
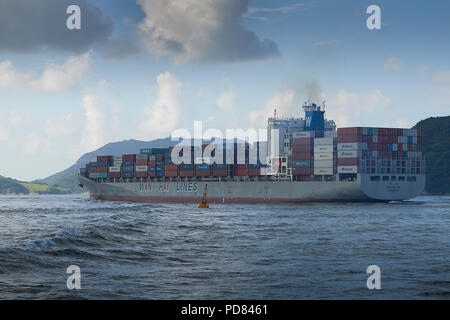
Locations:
(163, 116)
(201, 30)
(283, 102)
(393, 63)
(347, 106)
(225, 101)
(54, 77)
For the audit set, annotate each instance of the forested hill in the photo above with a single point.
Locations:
(436, 148)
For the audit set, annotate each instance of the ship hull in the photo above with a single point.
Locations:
(360, 190)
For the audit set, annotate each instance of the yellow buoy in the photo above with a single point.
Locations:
(203, 204)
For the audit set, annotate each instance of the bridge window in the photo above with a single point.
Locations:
(385, 178)
(401, 178)
(375, 178)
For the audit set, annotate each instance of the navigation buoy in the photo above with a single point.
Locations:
(203, 204)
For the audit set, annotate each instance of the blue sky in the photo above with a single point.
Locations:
(142, 69)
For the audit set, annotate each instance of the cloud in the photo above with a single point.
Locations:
(324, 43)
(201, 30)
(103, 120)
(255, 12)
(13, 120)
(283, 102)
(60, 127)
(423, 69)
(225, 102)
(54, 77)
(27, 26)
(348, 106)
(442, 77)
(163, 116)
(393, 64)
(35, 143)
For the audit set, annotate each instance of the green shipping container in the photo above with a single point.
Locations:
(155, 151)
(301, 163)
(102, 175)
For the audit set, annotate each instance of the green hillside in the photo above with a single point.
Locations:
(10, 186)
(436, 149)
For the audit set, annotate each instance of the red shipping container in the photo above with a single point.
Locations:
(141, 174)
(347, 161)
(114, 175)
(159, 157)
(129, 157)
(303, 178)
(102, 169)
(186, 173)
(170, 167)
(141, 162)
(202, 173)
(302, 171)
(152, 174)
(301, 156)
(152, 163)
(349, 138)
(349, 131)
(219, 173)
(302, 148)
(171, 173)
(302, 141)
(240, 172)
(252, 172)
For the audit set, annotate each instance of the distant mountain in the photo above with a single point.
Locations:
(11, 186)
(436, 149)
(68, 178)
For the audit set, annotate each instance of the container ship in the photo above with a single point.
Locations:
(303, 160)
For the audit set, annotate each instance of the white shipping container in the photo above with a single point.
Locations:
(93, 159)
(114, 169)
(152, 158)
(117, 158)
(321, 148)
(303, 134)
(141, 168)
(394, 147)
(323, 156)
(323, 171)
(402, 139)
(347, 154)
(405, 147)
(323, 141)
(330, 134)
(414, 140)
(347, 169)
(352, 146)
(374, 139)
(323, 163)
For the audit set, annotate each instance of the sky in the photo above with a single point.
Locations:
(141, 69)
